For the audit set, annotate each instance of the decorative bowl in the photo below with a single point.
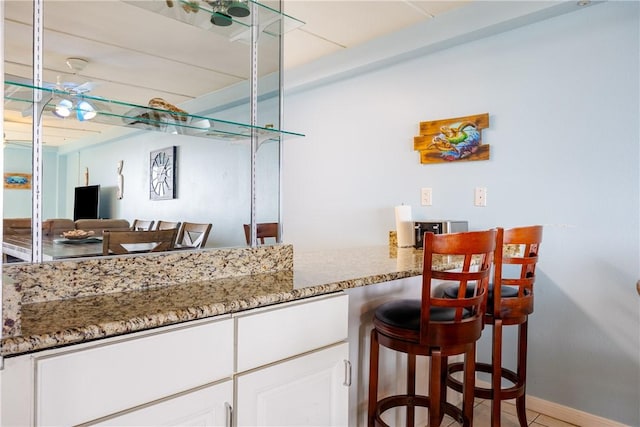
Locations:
(77, 234)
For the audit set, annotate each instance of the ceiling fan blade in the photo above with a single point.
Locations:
(27, 111)
(84, 87)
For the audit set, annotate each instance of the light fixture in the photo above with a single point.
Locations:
(85, 111)
(223, 10)
(76, 65)
(220, 17)
(238, 8)
(63, 108)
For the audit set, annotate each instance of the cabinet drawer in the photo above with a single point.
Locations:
(283, 332)
(83, 385)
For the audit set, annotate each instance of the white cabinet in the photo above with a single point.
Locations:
(206, 407)
(285, 364)
(311, 390)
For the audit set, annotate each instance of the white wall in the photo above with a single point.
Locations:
(563, 99)
(212, 182)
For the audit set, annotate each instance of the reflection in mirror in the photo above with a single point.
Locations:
(203, 72)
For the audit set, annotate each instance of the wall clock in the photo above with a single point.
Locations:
(162, 174)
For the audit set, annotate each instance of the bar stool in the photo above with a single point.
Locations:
(436, 327)
(508, 304)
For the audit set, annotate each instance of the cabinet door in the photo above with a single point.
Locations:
(203, 407)
(88, 384)
(311, 390)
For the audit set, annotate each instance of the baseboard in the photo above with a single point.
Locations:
(569, 415)
(563, 413)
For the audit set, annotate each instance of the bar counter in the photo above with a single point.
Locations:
(59, 319)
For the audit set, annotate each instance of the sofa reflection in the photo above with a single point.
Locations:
(57, 226)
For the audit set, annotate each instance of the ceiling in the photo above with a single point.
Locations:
(134, 55)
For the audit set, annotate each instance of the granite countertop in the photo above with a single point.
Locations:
(59, 322)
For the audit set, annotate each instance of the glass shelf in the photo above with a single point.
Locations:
(18, 97)
(199, 13)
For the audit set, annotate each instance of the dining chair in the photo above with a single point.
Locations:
(167, 225)
(193, 235)
(142, 225)
(436, 326)
(125, 242)
(264, 230)
(507, 304)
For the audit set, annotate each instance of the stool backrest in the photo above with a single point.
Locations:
(521, 246)
(478, 251)
(264, 230)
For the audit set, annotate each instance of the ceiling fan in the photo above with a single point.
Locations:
(76, 65)
(70, 94)
(18, 96)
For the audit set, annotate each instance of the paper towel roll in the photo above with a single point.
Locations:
(404, 226)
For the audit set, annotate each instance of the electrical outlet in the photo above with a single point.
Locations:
(480, 197)
(425, 196)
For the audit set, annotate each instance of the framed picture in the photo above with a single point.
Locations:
(17, 181)
(162, 174)
(452, 140)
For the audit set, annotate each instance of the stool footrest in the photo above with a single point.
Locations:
(413, 401)
(506, 393)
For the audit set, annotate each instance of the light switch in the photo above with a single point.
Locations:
(425, 196)
(480, 197)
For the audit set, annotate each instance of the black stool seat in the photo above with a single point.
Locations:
(405, 313)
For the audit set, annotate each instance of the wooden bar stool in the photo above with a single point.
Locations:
(436, 327)
(508, 304)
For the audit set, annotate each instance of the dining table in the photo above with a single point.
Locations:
(19, 246)
(58, 247)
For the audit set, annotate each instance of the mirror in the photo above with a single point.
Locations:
(137, 53)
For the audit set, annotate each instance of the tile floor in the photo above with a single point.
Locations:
(482, 417)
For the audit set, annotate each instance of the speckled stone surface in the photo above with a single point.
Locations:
(58, 322)
(95, 276)
(25, 284)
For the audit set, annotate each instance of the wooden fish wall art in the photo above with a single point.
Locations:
(452, 140)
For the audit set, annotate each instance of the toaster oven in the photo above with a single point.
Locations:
(438, 227)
